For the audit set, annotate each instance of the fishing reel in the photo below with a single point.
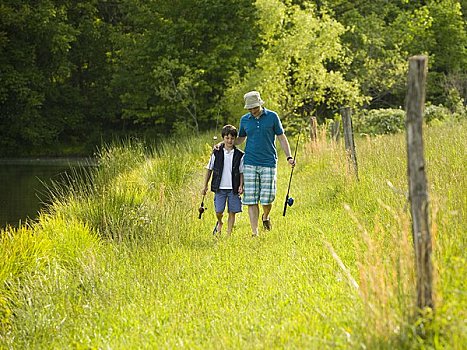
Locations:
(201, 209)
(289, 201)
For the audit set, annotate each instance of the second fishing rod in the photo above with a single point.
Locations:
(289, 201)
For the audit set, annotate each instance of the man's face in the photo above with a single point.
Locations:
(256, 112)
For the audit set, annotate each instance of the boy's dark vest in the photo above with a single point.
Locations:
(219, 165)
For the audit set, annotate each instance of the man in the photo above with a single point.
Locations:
(260, 127)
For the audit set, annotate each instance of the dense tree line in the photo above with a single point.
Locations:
(75, 73)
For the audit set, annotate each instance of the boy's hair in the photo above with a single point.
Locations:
(229, 130)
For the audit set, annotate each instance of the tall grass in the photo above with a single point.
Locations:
(121, 260)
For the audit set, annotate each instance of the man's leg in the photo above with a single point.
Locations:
(266, 210)
(251, 195)
(268, 193)
(253, 212)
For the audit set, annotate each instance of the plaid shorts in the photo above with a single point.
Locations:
(259, 184)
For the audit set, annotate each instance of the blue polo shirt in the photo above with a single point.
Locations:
(260, 149)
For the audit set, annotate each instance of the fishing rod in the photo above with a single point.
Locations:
(202, 208)
(289, 201)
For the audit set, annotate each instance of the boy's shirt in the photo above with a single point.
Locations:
(226, 179)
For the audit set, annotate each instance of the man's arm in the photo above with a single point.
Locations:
(239, 140)
(286, 148)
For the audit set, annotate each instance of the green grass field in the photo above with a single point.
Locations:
(121, 260)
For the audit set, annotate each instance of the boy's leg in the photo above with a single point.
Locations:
(220, 199)
(235, 206)
(230, 222)
(219, 222)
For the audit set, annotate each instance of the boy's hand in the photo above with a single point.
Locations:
(240, 190)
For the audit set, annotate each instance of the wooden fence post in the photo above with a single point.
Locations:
(335, 130)
(348, 139)
(417, 181)
(313, 129)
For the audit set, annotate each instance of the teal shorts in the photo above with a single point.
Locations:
(259, 184)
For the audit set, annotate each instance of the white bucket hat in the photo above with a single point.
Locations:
(252, 100)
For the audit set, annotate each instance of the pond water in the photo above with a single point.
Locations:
(23, 185)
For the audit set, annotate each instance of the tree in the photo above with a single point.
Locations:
(176, 58)
(300, 69)
(54, 74)
(34, 41)
(384, 34)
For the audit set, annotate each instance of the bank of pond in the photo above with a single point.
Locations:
(24, 185)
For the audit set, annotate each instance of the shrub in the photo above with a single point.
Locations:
(379, 121)
(435, 114)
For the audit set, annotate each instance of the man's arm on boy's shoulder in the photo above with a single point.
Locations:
(238, 141)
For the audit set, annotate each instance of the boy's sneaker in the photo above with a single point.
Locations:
(267, 224)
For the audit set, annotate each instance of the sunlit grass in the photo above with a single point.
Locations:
(122, 261)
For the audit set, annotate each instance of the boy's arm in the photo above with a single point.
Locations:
(207, 176)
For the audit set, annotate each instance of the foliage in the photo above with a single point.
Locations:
(76, 74)
(29, 252)
(33, 44)
(439, 114)
(175, 61)
(391, 121)
(119, 197)
(379, 121)
(300, 69)
(54, 74)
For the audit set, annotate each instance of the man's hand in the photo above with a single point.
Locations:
(217, 146)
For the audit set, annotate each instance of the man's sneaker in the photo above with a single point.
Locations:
(267, 224)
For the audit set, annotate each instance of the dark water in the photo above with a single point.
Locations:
(23, 185)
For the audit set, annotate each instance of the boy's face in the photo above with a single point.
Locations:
(229, 140)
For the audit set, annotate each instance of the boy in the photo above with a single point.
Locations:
(226, 168)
